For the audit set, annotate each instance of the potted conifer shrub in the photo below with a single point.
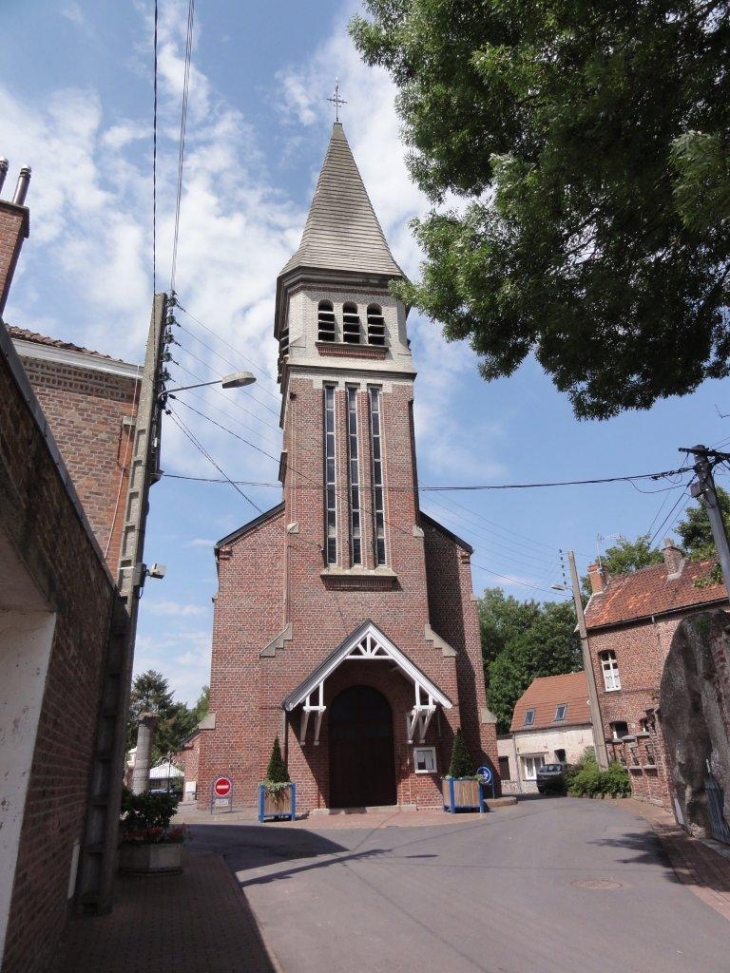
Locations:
(148, 842)
(462, 789)
(277, 794)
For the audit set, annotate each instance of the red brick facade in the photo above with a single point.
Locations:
(289, 603)
(39, 520)
(91, 411)
(631, 620)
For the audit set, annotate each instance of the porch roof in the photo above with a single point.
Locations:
(366, 643)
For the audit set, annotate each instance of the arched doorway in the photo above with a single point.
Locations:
(362, 763)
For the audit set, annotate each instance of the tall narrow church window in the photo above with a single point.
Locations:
(350, 324)
(326, 321)
(355, 537)
(376, 325)
(376, 445)
(329, 475)
(283, 348)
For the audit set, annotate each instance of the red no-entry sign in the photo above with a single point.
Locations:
(222, 786)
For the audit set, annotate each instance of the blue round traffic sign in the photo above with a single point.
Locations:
(485, 774)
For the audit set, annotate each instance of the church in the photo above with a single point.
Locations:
(345, 623)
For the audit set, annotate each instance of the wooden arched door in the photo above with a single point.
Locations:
(362, 760)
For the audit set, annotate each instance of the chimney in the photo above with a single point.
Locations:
(14, 228)
(598, 578)
(673, 558)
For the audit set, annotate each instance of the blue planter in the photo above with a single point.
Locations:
(281, 804)
(463, 794)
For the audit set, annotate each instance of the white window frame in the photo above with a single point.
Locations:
(529, 717)
(609, 668)
(531, 763)
(427, 755)
(558, 718)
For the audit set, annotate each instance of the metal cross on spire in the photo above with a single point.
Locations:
(336, 100)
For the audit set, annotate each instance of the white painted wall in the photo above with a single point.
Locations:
(26, 639)
(531, 743)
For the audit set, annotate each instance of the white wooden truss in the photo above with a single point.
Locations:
(367, 644)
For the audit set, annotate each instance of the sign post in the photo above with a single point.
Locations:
(486, 777)
(221, 793)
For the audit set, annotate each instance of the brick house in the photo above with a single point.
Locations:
(631, 620)
(345, 621)
(551, 723)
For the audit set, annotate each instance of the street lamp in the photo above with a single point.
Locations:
(598, 738)
(235, 381)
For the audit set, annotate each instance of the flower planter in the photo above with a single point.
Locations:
(148, 859)
(281, 803)
(463, 794)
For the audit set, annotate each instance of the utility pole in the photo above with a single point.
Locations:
(705, 489)
(98, 859)
(598, 735)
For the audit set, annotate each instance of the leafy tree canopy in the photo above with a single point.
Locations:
(589, 145)
(695, 530)
(151, 693)
(536, 640)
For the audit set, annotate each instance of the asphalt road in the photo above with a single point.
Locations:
(549, 886)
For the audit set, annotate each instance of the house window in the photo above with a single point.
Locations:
(529, 717)
(530, 766)
(283, 348)
(560, 756)
(561, 711)
(619, 730)
(350, 324)
(504, 771)
(354, 458)
(329, 462)
(326, 321)
(609, 665)
(376, 325)
(376, 446)
(424, 760)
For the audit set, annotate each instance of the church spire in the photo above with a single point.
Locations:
(342, 231)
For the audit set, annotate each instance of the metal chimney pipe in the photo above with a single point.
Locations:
(21, 189)
(3, 171)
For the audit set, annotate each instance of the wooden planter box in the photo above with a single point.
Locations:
(463, 794)
(277, 804)
(144, 859)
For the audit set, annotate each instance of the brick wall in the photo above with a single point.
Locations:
(38, 516)
(13, 230)
(89, 412)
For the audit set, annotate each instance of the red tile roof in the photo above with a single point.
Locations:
(20, 334)
(652, 591)
(545, 694)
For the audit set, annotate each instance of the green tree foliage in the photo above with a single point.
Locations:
(589, 145)
(151, 693)
(202, 704)
(523, 640)
(626, 555)
(461, 763)
(695, 531)
(276, 772)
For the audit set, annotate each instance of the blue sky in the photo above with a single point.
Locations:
(76, 105)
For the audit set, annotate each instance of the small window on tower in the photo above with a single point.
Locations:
(326, 321)
(376, 325)
(350, 324)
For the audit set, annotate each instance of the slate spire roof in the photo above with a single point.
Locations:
(342, 231)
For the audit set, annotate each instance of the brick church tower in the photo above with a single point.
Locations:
(345, 622)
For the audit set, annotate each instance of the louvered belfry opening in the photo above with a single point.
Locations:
(350, 324)
(376, 325)
(326, 321)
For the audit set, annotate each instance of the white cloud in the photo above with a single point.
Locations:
(174, 608)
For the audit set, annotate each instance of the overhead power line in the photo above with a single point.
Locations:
(181, 151)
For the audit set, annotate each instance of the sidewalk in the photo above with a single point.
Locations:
(199, 921)
(701, 864)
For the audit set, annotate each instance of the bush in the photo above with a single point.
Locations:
(461, 763)
(587, 780)
(277, 775)
(146, 818)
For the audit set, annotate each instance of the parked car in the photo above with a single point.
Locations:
(551, 779)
